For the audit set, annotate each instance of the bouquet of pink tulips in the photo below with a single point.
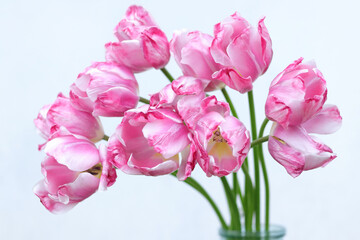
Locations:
(183, 125)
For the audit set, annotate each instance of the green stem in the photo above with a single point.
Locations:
(144, 100)
(248, 197)
(265, 175)
(237, 189)
(194, 184)
(258, 141)
(234, 211)
(167, 74)
(231, 105)
(236, 185)
(106, 137)
(256, 160)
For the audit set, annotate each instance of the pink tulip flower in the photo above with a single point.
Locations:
(223, 140)
(141, 45)
(243, 51)
(74, 170)
(296, 94)
(148, 141)
(298, 151)
(62, 114)
(220, 141)
(105, 89)
(192, 53)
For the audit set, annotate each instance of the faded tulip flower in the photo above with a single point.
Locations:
(148, 141)
(141, 44)
(295, 149)
(296, 94)
(243, 51)
(74, 169)
(105, 89)
(62, 114)
(192, 53)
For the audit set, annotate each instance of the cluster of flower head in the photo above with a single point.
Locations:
(182, 126)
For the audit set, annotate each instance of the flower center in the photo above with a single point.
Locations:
(95, 170)
(217, 136)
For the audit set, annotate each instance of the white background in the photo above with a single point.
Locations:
(45, 44)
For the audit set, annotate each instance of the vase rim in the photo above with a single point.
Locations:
(275, 231)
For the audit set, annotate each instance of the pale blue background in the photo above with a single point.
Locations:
(45, 44)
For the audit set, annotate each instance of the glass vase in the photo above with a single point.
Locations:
(275, 232)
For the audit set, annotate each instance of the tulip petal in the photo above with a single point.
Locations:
(245, 58)
(165, 98)
(327, 121)
(234, 80)
(114, 102)
(156, 165)
(108, 173)
(188, 162)
(186, 85)
(83, 187)
(49, 203)
(237, 136)
(62, 113)
(156, 47)
(296, 150)
(117, 155)
(288, 157)
(56, 174)
(167, 137)
(127, 53)
(77, 154)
